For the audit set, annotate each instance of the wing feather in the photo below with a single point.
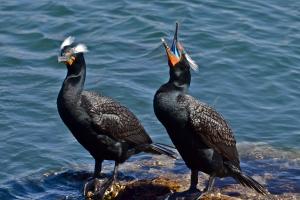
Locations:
(211, 127)
(114, 120)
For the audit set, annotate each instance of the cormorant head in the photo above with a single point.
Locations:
(71, 52)
(179, 62)
(177, 56)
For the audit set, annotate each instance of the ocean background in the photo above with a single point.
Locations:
(248, 54)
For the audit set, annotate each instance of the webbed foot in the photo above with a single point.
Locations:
(191, 194)
(95, 188)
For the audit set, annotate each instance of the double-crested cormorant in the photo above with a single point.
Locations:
(202, 136)
(108, 130)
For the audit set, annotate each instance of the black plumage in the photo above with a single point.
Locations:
(105, 128)
(201, 135)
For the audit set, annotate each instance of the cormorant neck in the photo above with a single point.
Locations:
(180, 79)
(75, 78)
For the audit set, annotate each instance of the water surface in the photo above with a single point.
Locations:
(248, 55)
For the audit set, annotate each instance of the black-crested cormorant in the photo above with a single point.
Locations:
(108, 130)
(201, 135)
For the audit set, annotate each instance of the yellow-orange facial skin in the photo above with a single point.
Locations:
(171, 57)
(71, 60)
(70, 57)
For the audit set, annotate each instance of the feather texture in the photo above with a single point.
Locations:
(192, 63)
(68, 41)
(211, 127)
(111, 118)
(80, 48)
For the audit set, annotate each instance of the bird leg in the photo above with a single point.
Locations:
(194, 180)
(96, 188)
(192, 193)
(211, 182)
(99, 193)
(92, 183)
(115, 173)
(98, 168)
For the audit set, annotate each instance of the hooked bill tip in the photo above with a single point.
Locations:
(176, 30)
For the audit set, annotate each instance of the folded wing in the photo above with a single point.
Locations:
(114, 120)
(211, 128)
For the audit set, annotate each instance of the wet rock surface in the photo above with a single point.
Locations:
(158, 177)
(153, 177)
(162, 188)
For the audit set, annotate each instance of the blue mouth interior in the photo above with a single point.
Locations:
(174, 43)
(174, 49)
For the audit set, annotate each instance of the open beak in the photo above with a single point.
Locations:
(177, 53)
(175, 42)
(172, 53)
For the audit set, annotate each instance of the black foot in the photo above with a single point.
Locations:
(95, 188)
(193, 194)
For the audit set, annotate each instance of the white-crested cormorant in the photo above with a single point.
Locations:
(105, 128)
(200, 134)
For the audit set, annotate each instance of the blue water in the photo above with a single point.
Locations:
(248, 54)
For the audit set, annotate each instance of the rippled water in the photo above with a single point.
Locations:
(248, 53)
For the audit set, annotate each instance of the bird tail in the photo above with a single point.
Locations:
(246, 180)
(158, 148)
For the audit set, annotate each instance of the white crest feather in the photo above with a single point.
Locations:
(192, 63)
(69, 40)
(80, 48)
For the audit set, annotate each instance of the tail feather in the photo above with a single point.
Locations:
(158, 148)
(246, 180)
